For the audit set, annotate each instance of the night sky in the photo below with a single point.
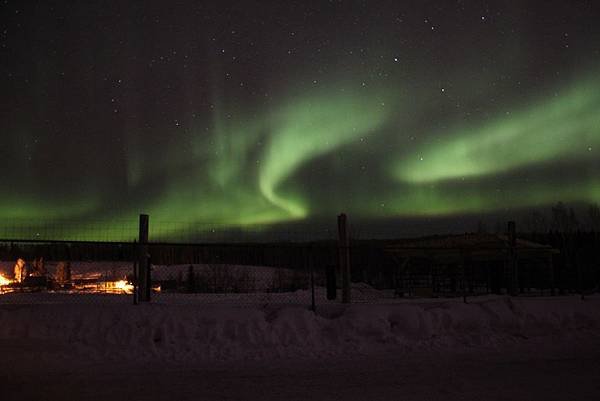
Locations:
(256, 113)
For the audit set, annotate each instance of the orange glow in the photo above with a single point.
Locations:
(4, 280)
(124, 286)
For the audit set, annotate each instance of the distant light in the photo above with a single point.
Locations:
(4, 280)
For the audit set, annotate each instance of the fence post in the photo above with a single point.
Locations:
(310, 259)
(143, 261)
(465, 263)
(576, 240)
(514, 268)
(136, 274)
(552, 280)
(344, 257)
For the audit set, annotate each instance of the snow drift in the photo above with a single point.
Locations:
(211, 333)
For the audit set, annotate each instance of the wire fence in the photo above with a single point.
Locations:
(301, 273)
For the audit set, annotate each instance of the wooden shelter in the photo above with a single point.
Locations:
(471, 263)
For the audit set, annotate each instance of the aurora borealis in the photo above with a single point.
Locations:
(271, 112)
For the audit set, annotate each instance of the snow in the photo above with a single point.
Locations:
(255, 278)
(188, 349)
(204, 333)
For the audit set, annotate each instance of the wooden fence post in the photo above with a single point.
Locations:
(344, 257)
(136, 273)
(143, 261)
(552, 280)
(514, 267)
(310, 258)
(465, 264)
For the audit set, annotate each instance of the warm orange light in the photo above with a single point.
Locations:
(124, 286)
(4, 280)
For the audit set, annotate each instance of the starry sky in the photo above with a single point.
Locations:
(258, 113)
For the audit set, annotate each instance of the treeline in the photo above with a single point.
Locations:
(575, 232)
(562, 218)
(577, 266)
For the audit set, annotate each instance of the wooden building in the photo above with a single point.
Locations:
(471, 264)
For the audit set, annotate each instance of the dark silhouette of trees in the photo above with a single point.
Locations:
(594, 216)
(564, 219)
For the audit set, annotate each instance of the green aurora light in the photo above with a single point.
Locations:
(247, 174)
(565, 127)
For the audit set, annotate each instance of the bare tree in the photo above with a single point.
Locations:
(563, 218)
(565, 222)
(63, 273)
(20, 270)
(38, 267)
(594, 216)
(536, 222)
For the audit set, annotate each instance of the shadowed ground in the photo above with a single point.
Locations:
(519, 372)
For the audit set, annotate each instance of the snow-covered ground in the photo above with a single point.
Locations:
(491, 348)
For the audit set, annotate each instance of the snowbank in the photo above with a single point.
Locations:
(217, 333)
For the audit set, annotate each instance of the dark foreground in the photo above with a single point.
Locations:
(520, 371)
